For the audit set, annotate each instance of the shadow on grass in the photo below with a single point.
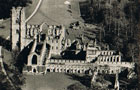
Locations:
(84, 79)
(5, 43)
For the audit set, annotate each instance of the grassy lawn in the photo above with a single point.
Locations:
(50, 81)
(7, 56)
(5, 28)
(29, 9)
(55, 12)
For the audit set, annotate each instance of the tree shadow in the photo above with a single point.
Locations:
(6, 6)
(85, 79)
(5, 43)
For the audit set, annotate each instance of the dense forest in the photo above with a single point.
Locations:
(6, 5)
(119, 21)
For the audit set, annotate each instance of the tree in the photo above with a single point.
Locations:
(6, 5)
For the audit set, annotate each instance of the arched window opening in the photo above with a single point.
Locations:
(105, 59)
(54, 70)
(78, 71)
(108, 59)
(48, 70)
(68, 71)
(111, 59)
(34, 70)
(112, 72)
(34, 59)
(114, 60)
(117, 59)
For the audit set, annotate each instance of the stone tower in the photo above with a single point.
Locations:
(18, 28)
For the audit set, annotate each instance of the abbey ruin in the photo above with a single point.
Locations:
(50, 43)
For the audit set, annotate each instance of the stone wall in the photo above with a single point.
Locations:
(111, 58)
(18, 28)
(70, 69)
(32, 30)
(78, 66)
(64, 61)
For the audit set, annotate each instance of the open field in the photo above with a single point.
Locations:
(55, 12)
(7, 56)
(29, 9)
(49, 81)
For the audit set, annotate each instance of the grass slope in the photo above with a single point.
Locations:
(55, 12)
(5, 28)
(50, 81)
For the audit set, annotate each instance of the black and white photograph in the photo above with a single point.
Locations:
(69, 44)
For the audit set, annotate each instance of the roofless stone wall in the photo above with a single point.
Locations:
(77, 66)
(64, 61)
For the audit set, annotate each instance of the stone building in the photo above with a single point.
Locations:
(52, 40)
(94, 53)
(18, 28)
(105, 60)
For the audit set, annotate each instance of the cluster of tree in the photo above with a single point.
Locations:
(118, 20)
(6, 5)
(13, 78)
